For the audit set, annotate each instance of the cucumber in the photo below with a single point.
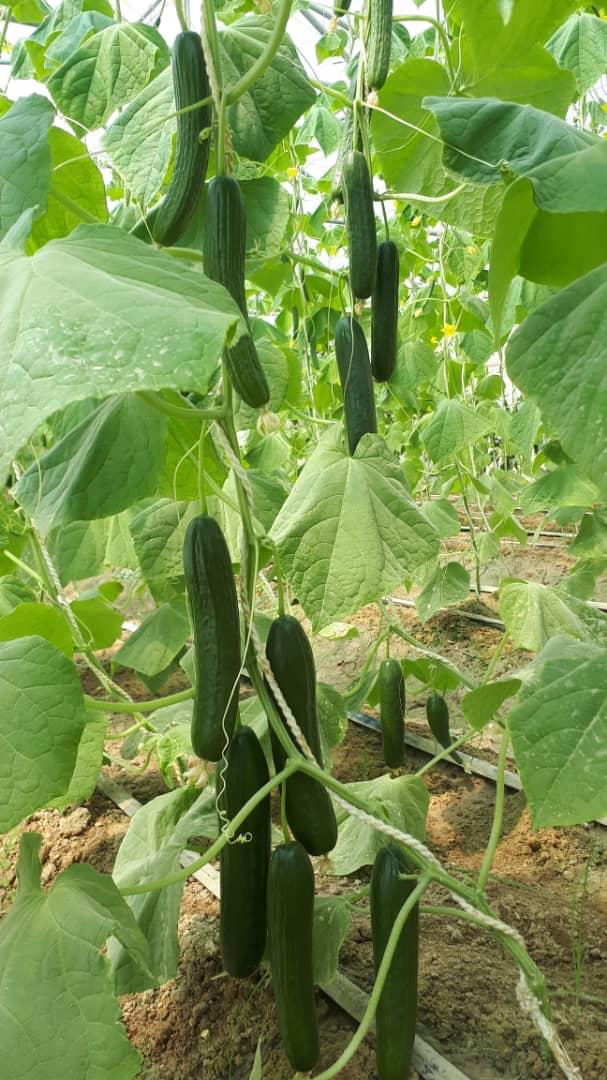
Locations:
(391, 684)
(360, 223)
(340, 7)
(213, 603)
(437, 715)
(290, 922)
(309, 809)
(354, 369)
(223, 261)
(167, 221)
(384, 312)
(379, 42)
(244, 866)
(397, 1008)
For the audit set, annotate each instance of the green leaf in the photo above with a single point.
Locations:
(158, 532)
(140, 140)
(266, 113)
(61, 46)
(524, 427)
(157, 835)
(452, 428)
(448, 585)
(88, 762)
(55, 983)
(559, 733)
(96, 312)
(331, 924)
(321, 124)
(106, 72)
(76, 191)
(101, 467)
(349, 533)
(156, 642)
(332, 718)
(564, 486)
(13, 591)
(534, 613)
(580, 45)
(480, 706)
(41, 721)
(442, 516)
(557, 359)
(98, 621)
(26, 159)
(38, 619)
(410, 161)
(256, 1072)
(401, 801)
(87, 548)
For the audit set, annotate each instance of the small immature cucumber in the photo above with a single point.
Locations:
(211, 593)
(397, 1009)
(391, 683)
(437, 714)
(168, 220)
(309, 809)
(384, 312)
(223, 261)
(354, 368)
(360, 223)
(290, 922)
(244, 864)
(379, 42)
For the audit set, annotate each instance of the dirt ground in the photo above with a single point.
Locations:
(550, 884)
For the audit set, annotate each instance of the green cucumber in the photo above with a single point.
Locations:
(379, 42)
(244, 864)
(391, 683)
(213, 604)
(223, 261)
(167, 221)
(354, 368)
(360, 223)
(290, 923)
(437, 714)
(309, 809)
(384, 312)
(397, 1008)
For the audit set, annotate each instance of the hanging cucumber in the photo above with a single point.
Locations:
(397, 1008)
(360, 223)
(309, 809)
(244, 863)
(379, 42)
(167, 221)
(391, 683)
(437, 714)
(384, 312)
(223, 261)
(354, 369)
(213, 603)
(290, 921)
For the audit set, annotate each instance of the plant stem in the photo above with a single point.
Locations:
(471, 526)
(378, 985)
(181, 412)
(263, 62)
(498, 814)
(185, 872)
(183, 22)
(99, 705)
(495, 658)
(440, 31)
(460, 741)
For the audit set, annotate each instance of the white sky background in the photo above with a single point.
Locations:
(300, 30)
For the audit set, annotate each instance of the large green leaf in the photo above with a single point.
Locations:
(41, 721)
(107, 71)
(140, 139)
(156, 837)
(158, 531)
(452, 427)
(101, 467)
(156, 642)
(26, 158)
(32, 618)
(533, 613)
(557, 358)
(56, 997)
(580, 45)
(348, 533)
(559, 733)
(77, 189)
(88, 762)
(448, 585)
(401, 801)
(84, 549)
(96, 313)
(564, 486)
(266, 113)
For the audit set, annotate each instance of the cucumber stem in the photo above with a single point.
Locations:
(498, 813)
